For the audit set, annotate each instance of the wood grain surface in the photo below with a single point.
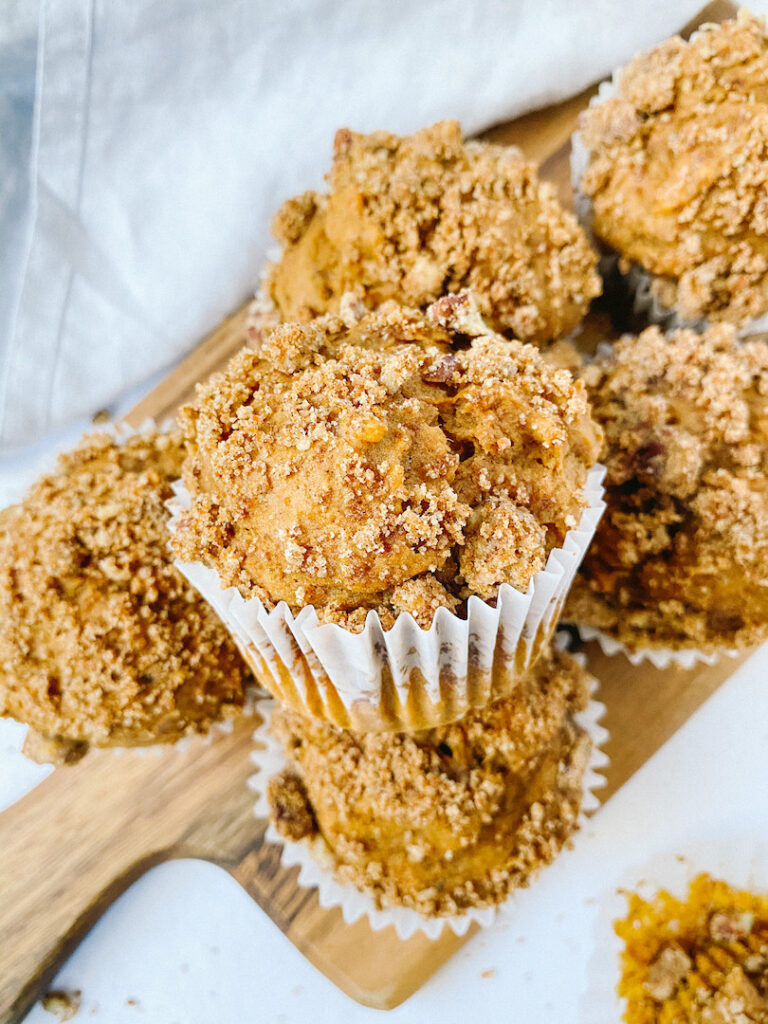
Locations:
(79, 839)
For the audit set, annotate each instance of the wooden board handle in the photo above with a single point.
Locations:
(77, 841)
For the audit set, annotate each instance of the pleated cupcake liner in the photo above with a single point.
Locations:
(659, 657)
(406, 678)
(316, 862)
(743, 864)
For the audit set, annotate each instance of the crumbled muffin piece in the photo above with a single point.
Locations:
(422, 596)
(680, 558)
(702, 960)
(678, 170)
(413, 218)
(342, 464)
(102, 641)
(449, 818)
(62, 1003)
(504, 542)
(290, 808)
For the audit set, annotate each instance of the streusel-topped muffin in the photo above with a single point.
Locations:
(677, 173)
(680, 558)
(102, 641)
(413, 218)
(450, 818)
(400, 461)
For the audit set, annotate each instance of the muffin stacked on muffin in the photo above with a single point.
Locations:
(378, 483)
(102, 641)
(395, 498)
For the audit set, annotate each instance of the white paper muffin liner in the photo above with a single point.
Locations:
(742, 864)
(659, 657)
(316, 863)
(406, 678)
(645, 303)
(122, 432)
(639, 280)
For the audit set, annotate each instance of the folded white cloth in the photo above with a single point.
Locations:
(167, 133)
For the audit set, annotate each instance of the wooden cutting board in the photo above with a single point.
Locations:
(81, 837)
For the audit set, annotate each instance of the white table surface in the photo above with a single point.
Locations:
(185, 945)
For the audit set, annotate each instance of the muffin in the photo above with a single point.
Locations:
(448, 819)
(102, 642)
(673, 162)
(398, 463)
(680, 558)
(703, 960)
(413, 218)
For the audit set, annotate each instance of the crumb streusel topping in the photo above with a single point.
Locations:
(102, 641)
(398, 462)
(701, 960)
(449, 818)
(414, 218)
(680, 558)
(678, 172)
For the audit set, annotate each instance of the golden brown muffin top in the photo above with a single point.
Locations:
(376, 466)
(470, 802)
(700, 960)
(102, 641)
(681, 554)
(679, 168)
(413, 218)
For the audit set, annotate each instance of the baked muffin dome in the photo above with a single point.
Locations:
(680, 557)
(413, 218)
(398, 463)
(102, 641)
(450, 818)
(678, 170)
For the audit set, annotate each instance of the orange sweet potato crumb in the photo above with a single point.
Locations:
(702, 960)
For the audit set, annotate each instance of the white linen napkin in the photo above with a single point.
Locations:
(167, 133)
